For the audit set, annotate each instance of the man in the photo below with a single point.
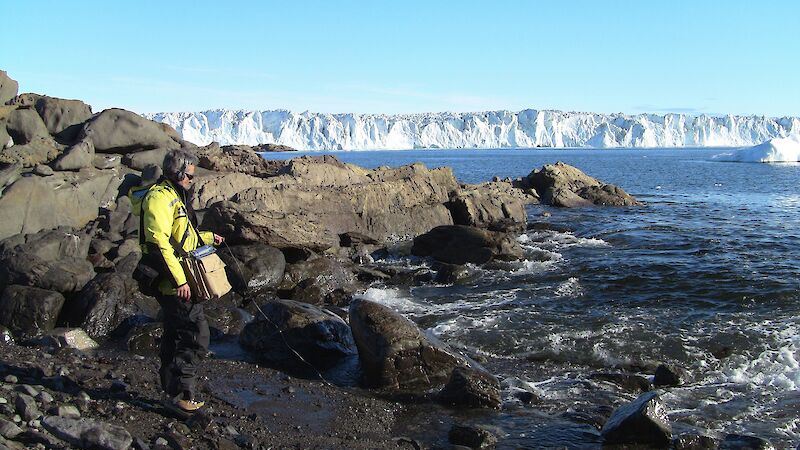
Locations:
(169, 226)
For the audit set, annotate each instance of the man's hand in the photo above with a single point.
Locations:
(218, 239)
(184, 292)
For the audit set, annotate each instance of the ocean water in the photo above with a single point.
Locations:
(704, 276)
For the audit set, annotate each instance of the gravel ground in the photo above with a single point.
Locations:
(246, 406)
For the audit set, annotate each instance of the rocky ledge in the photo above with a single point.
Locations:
(79, 339)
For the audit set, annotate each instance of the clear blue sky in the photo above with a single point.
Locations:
(713, 57)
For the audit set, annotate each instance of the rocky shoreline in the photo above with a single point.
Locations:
(78, 339)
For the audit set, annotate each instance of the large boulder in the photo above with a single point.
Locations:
(62, 117)
(563, 185)
(65, 275)
(8, 87)
(395, 354)
(49, 245)
(743, 442)
(24, 125)
(254, 268)
(283, 327)
(71, 199)
(459, 244)
(140, 160)
(320, 280)
(29, 311)
(643, 421)
(491, 204)
(105, 304)
(76, 157)
(119, 131)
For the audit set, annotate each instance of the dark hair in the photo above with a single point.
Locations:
(176, 162)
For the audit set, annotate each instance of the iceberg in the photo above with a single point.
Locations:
(775, 150)
(489, 129)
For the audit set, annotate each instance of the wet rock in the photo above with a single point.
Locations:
(471, 437)
(29, 311)
(694, 442)
(669, 376)
(741, 442)
(450, 273)
(106, 303)
(643, 421)
(119, 131)
(254, 268)
(394, 352)
(226, 320)
(27, 390)
(470, 387)
(458, 244)
(319, 336)
(145, 340)
(628, 382)
(26, 407)
(65, 275)
(87, 433)
(321, 280)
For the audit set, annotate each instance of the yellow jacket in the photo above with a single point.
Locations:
(165, 223)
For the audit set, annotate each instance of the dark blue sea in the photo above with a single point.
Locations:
(705, 276)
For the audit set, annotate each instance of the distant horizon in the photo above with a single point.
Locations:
(708, 58)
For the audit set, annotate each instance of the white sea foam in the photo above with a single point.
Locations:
(778, 366)
(393, 298)
(570, 288)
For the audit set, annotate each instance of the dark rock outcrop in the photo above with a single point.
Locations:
(643, 421)
(40, 150)
(694, 442)
(629, 382)
(491, 204)
(470, 387)
(61, 117)
(459, 244)
(29, 311)
(560, 184)
(394, 352)
(319, 336)
(24, 125)
(669, 376)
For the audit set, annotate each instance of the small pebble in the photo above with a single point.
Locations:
(10, 379)
(36, 423)
(160, 442)
(3, 401)
(16, 418)
(43, 170)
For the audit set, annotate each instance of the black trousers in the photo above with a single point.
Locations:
(183, 344)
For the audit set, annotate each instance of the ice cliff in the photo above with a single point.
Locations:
(490, 129)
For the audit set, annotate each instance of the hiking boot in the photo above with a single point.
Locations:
(189, 405)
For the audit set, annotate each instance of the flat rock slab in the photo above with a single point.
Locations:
(87, 433)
